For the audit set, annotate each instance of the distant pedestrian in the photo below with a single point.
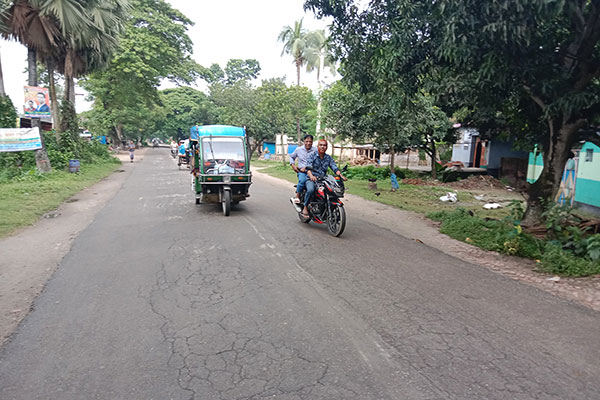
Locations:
(131, 150)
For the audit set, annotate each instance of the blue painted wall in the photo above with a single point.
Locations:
(270, 146)
(587, 188)
(498, 150)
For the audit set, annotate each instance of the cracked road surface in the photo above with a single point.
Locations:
(162, 299)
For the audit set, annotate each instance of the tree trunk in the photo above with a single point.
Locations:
(53, 98)
(69, 79)
(555, 156)
(318, 129)
(42, 162)
(32, 79)
(255, 148)
(407, 158)
(119, 129)
(2, 91)
(392, 162)
(298, 65)
(433, 160)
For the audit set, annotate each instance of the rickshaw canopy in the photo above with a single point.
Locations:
(216, 130)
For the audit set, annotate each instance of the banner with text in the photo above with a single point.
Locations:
(20, 139)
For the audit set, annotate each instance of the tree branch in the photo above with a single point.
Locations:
(538, 100)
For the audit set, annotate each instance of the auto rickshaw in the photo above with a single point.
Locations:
(221, 165)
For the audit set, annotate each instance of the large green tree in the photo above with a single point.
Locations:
(182, 108)
(270, 109)
(391, 121)
(533, 64)
(154, 46)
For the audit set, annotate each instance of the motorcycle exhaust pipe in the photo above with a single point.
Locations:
(297, 206)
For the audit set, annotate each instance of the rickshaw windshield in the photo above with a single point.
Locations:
(223, 155)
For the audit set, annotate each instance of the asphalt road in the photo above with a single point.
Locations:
(160, 298)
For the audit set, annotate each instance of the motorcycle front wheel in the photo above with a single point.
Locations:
(336, 222)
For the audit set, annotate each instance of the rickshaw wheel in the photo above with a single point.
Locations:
(226, 203)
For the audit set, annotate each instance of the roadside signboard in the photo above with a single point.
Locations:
(21, 139)
(37, 102)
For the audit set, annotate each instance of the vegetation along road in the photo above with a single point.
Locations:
(160, 298)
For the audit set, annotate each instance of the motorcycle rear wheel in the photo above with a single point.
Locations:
(336, 221)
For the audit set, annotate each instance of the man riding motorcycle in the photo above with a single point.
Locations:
(301, 154)
(316, 167)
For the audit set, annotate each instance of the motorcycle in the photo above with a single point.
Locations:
(326, 207)
(183, 159)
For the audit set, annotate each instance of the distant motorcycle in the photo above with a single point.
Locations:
(183, 159)
(326, 207)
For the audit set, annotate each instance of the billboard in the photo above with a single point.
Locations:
(37, 102)
(20, 139)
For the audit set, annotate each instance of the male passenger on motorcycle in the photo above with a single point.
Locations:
(301, 153)
(316, 167)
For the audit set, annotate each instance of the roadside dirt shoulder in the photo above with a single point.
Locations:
(30, 257)
(585, 291)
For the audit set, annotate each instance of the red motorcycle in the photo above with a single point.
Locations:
(326, 207)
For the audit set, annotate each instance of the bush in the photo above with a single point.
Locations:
(71, 146)
(373, 172)
(558, 261)
(8, 115)
(578, 257)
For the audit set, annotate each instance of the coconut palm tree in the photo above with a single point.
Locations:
(72, 36)
(295, 43)
(318, 57)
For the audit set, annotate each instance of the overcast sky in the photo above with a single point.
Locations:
(222, 30)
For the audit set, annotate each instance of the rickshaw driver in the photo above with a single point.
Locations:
(194, 138)
(301, 153)
(316, 167)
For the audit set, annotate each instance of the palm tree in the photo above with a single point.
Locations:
(318, 57)
(71, 36)
(90, 43)
(295, 44)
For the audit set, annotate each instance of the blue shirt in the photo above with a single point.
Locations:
(194, 133)
(319, 166)
(302, 155)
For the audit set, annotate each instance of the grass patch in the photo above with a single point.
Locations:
(265, 163)
(24, 200)
(278, 170)
(417, 198)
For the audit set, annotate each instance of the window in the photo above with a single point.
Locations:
(589, 155)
